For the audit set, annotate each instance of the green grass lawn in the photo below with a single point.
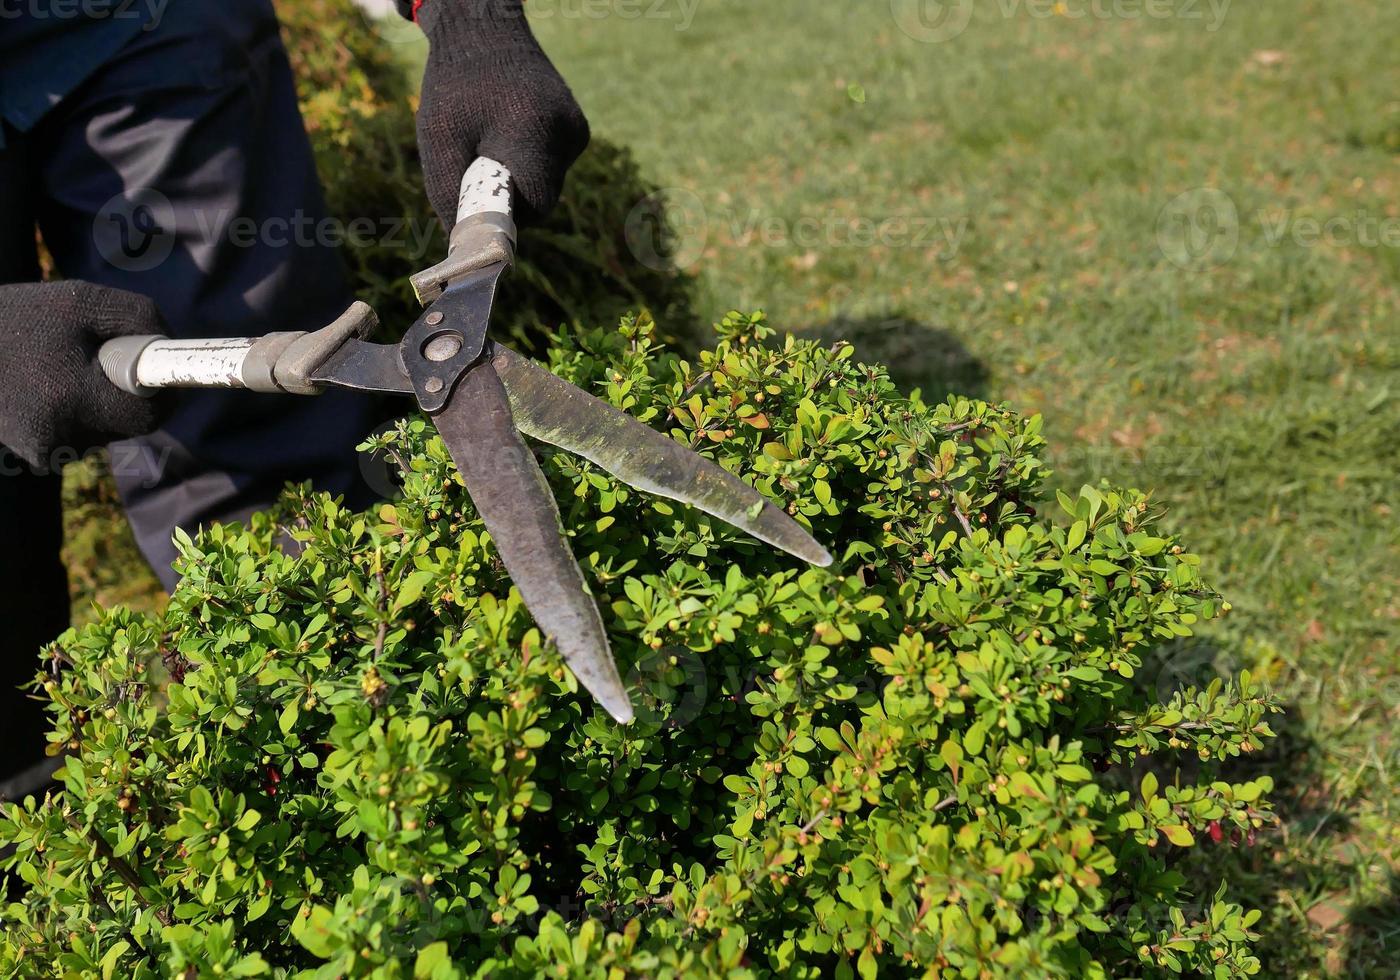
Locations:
(1255, 389)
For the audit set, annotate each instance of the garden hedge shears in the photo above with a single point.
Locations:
(482, 396)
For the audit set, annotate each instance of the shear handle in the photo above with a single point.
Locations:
(277, 362)
(483, 235)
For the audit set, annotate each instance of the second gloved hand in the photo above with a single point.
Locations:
(53, 394)
(489, 90)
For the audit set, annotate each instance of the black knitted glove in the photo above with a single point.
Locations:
(489, 90)
(53, 394)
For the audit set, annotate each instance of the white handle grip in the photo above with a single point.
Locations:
(485, 190)
(142, 365)
(194, 363)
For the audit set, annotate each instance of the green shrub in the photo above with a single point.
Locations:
(938, 757)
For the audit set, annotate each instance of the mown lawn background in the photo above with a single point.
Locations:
(1240, 366)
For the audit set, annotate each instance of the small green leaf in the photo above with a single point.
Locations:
(412, 589)
(1075, 537)
(1178, 835)
(430, 959)
(1149, 785)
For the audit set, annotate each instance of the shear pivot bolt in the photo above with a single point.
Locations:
(443, 348)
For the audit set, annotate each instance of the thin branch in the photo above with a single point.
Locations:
(690, 389)
(957, 511)
(125, 871)
(394, 454)
(1181, 726)
(101, 898)
(383, 614)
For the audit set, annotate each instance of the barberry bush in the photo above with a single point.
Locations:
(940, 757)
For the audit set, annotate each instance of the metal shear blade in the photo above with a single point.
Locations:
(515, 503)
(482, 396)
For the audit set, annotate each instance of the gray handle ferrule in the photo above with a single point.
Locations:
(476, 242)
(260, 366)
(119, 357)
(284, 362)
(297, 361)
(483, 235)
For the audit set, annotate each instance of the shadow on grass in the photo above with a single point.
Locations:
(1361, 940)
(1263, 873)
(918, 355)
(1373, 935)
(1303, 806)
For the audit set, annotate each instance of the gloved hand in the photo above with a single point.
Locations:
(489, 90)
(53, 394)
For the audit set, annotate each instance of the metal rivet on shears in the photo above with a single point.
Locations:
(443, 348)
(433, 318)
(432, 386)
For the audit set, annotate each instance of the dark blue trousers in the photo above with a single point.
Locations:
(181, 170)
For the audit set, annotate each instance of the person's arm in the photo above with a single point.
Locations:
(53, 394)
(489, 90)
